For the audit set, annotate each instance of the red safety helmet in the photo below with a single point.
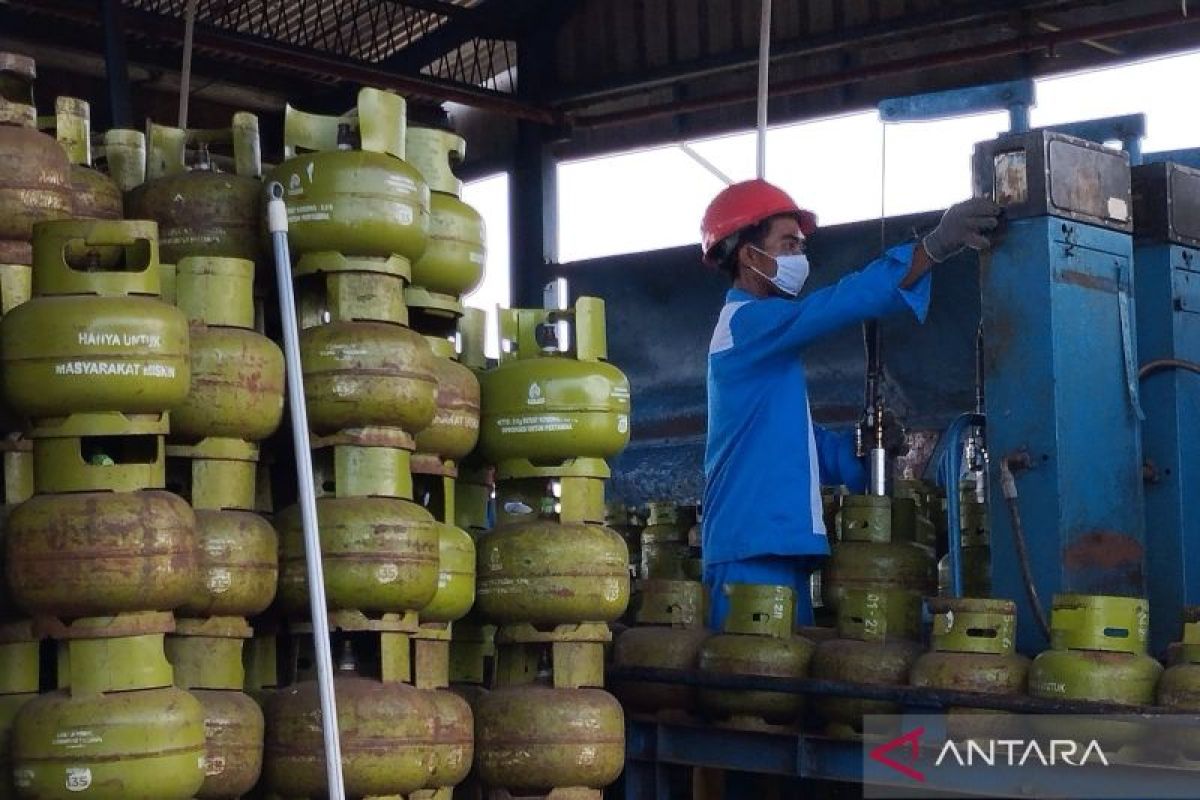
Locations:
(741, 205)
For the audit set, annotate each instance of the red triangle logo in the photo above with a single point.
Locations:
(913, 740)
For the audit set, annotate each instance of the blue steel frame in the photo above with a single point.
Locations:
(1056, 388)
(1167, 287)
(1016, 97)
(659, 755)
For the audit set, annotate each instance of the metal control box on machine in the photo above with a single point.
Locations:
(1166, 203)
(1060, 375)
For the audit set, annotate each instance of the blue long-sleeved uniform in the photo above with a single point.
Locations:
(765, 460)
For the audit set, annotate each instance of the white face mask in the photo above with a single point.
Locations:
(791, 272)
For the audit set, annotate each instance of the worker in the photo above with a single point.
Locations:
(765, 460)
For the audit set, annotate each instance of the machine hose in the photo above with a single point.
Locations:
(1160, 364)
(1008, 487)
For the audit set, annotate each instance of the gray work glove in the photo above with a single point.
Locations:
(963, 225)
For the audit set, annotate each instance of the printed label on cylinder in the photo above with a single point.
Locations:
(79, 779)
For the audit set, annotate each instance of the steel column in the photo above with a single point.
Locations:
(1167, 288)
(115, 64)
(533, 182)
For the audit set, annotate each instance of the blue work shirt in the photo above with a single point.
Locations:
(765, 460)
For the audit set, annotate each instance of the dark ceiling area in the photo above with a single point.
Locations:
(593, 75)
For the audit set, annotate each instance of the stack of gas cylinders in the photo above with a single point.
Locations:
(551, 576)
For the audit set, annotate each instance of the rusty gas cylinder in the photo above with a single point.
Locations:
(456, 576)
(237, 374)
(1179, 689)
(669, 634)
(757, 639)
(140, 548)
(207, 659)
(454, 739)
(202, 210)
(530, 739)
(359, 374)
(455, 428)
(551, 573)
(875, 646)
(388, 738)
(237, 571)
(35, 174)
(380, 553)
(974, 651)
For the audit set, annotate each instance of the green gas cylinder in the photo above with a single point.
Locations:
(35, 174)
(380, 549)
(530, 739)
(664, 543)
(16, 456)
(625, 521)
(455, 427)
(140, 548)
(452, 264)
(207, 659)
(1179, 688)
(669, 634)
(913, 508)
(359, 374)
(19, 679)
(238, 570)
(868, 557)
(380, 554)
(454, 739)
(348, 189)
(974, 651)
(554, 398)
(456, 576)
(756, 639)
(94, 195)
(123, 151)
(1097, 652)
(388, 735)
(94, 340)
(549, 573)
(976, 550)
(237, 373)
(874, 646)
(202, 210)
(118, 730)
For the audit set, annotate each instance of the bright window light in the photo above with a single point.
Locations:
(654, 198)
(489, 196)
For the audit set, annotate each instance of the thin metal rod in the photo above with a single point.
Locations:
(277, 224)
(907, 695)
(185, 72)
(764, 64)
(693, 154)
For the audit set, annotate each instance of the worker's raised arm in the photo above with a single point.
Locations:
(896, 281)
(774, 326)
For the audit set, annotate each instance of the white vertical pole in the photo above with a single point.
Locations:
(764, 60)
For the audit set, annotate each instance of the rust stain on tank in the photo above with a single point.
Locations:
(1102, 549)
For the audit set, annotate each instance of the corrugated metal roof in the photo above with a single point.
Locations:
(367, 30)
